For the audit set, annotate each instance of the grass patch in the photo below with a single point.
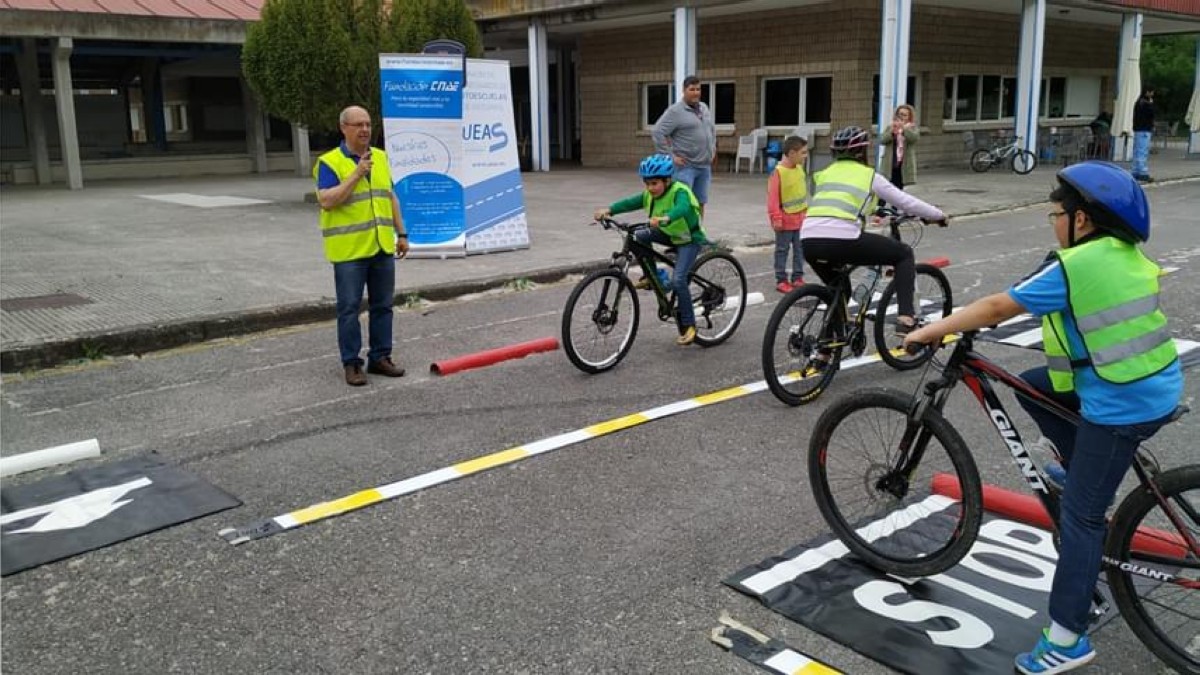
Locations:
(93, 351)
(412, 301)
(519, 284)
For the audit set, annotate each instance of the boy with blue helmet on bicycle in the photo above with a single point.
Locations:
(674, 221)
(1109, 356)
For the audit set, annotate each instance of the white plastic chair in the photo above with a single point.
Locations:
(754, 151)
(745, 150)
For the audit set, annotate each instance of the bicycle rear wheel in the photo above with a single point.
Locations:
(600, 321)
(872, 474)
(932, 300)
(801, 349)
(982, 160)
(1023, 162)
(1164, 615)
(718, 287)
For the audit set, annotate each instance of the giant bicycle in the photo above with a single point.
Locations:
(879, 460)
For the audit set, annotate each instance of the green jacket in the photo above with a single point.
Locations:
(678, 204)
(908, 171)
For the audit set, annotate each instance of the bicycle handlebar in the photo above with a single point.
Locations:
(610, 224)
(896, 214)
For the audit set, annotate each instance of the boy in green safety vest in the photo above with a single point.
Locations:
(674, 221)
(1109, 357)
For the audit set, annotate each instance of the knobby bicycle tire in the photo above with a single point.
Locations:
(1163, 616)
(718, 287)
(885, 513)
(982, 160)
(602, 333)
(932, 300)
(803, 321)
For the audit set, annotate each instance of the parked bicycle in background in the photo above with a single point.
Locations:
(1005, 154)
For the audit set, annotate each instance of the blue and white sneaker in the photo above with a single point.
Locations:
(1048, 658)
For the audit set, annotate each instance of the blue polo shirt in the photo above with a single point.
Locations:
(326, 177)
(1044, 292)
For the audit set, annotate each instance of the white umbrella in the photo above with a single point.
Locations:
(1129, 77)
(1122, 123)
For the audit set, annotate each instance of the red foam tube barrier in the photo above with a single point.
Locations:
(1027, 509)
(492, 356)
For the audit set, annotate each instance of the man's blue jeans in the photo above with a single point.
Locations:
(696, 177)
(685, 257)
(378, 275)
(1140, 166)
(1097, 457)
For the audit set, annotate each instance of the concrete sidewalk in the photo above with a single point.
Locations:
(126, 267)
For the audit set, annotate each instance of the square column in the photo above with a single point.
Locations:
(1193, 118)
(1029, 71)
(30, 81)
(685, 46)
(893, 66)
(539, 96)
(64, 100)
(256, 136)
(300, 150)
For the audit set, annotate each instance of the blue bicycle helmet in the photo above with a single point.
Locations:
(1114, 192)
(657, 166)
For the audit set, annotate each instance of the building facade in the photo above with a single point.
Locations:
(155, 87)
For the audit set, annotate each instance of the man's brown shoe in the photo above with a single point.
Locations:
(355, 376)
(385, 366)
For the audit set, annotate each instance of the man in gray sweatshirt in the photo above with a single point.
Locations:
(687, 132)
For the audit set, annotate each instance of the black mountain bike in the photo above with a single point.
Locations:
(880, 460)
(600, 320)
(812, 325)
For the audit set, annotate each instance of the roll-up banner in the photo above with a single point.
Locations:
(452, 154)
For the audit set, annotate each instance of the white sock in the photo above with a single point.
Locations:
(1061, 636)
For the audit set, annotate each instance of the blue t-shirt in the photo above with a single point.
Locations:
(1045, 291)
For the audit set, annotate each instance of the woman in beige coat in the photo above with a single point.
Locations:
(901, 136)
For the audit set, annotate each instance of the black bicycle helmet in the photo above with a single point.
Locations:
(850, 143)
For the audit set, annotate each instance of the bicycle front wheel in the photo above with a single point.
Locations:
(801, 347)
(1163, 612)
(600, 321)
(1023, 162)
(981, 160)
(872, 474)
(718, 287)
(932, 300)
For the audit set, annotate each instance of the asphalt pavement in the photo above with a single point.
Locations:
(605, 556)
(129, 267)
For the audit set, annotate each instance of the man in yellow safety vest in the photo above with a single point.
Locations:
(362, 230)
